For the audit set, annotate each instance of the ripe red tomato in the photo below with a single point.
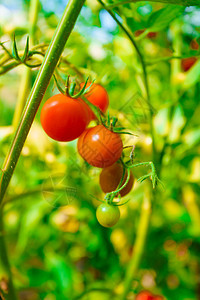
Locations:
(107, 214)
(97, 96)
(144, 295)
(99, 146)
(63, 118)
(110, 178)
(187, 63)
(158, 298)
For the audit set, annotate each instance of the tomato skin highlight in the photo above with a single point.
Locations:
(144, 295)
(97, 96)
(64, 119)
(99, 146)
(110, 178)
(107, 214)
(187, 63)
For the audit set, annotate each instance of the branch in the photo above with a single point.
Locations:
(176, 2)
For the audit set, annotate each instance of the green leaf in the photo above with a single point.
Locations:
(15, 51)
(163, 17)
(26, 50)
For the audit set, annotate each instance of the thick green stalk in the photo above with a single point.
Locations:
(47, 68)
(5, 270)
(176, 2)
(138, 246)
(26, 75)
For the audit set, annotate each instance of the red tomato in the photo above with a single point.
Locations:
(187, 63)
(158, 298)
(144, 295)
(110, 178)
(97, 96)
(99, 146)
(63, 118)
(107, 214)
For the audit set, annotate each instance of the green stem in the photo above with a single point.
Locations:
(138, 247)
(179, 2)
(47, 68)
(37, 190)
(128, 34)
(33, 16)
(111, 195)
(163, 59)
(175, 90)
(5, 269)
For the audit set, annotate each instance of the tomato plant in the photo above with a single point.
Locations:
(107, 214)
(110, 178)
(152, 99)
(99, 146)
(63, 118)
(97, 96)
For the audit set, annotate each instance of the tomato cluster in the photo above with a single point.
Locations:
(64, 119)
(146, 295)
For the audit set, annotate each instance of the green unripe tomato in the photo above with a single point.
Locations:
(107, 214)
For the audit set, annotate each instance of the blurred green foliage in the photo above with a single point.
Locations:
(56, 247)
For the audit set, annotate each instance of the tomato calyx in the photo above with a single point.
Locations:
(70, 87)
(111, 122)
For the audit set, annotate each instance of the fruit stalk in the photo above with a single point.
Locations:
(47, 68)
